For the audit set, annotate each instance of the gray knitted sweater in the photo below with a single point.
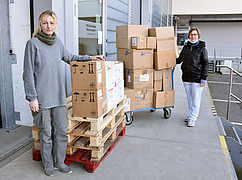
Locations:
(43, 77)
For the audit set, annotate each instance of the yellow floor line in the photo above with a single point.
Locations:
(226, 153)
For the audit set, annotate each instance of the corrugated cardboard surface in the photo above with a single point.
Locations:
(151, 43)
(88, 103)
(165, 44)
(143, 98)
(130, 93)
(164, 59)
(88, 75)
(164, 99)
(136, 59)
(161, 32)
(125, 32)
(139, 78)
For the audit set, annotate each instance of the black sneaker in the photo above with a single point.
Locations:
(63, 168)
(49, 171)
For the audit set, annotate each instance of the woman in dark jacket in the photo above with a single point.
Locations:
(194, 58)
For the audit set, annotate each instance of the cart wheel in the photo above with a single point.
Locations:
(152, 110)
(129, 118)
(167, 113)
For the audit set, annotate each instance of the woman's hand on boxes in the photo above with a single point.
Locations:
(34, 105)
(97, 58)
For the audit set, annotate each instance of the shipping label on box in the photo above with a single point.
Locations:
(143, 98)
(139, 78)
(164, 60)
(136, 59)
(161, 32)
(88, 75)
(164, 99)
(88, 103)
(138, 42)
(125, 32)
(150, 42)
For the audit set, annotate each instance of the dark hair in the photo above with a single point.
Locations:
(192, 29)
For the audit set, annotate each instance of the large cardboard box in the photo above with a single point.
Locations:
(151, 43)
(136, 59)
(164, 59)
(130, 93)
(139, 78)
(165, 44)
(143, 98)
(89, 75)
(125, 32)
(138, 42)
(164, 99)
(89, 103)
(161, 32)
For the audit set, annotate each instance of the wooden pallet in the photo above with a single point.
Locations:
(84, 155)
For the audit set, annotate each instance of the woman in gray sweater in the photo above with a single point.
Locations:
(44, 88)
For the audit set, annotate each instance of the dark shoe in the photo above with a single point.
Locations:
(63, 168)
(49, 171)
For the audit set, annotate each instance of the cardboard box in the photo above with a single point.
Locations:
(163, 80)
(164, 99)
(150, 42)
(136, 59)
(143, 98)
(89, 103)
(138, 42)
(139, 78)
(130, 93)
(89, 75)
(125, 32)
(161, 32)
(164, 59)
(118, 91)
(165, 44)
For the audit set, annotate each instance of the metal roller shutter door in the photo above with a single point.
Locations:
(135, 12)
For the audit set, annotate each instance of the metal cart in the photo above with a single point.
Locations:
(167, 110)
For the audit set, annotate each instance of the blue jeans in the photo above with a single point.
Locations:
(52, 145)
(194, 93)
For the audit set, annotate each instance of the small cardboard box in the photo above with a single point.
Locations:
(163, 80)
(136, 59)
(150, 42)
(161, 32)
(164, 99)
(138, 42)
(125, 32)
(89, 103)
(139, 78)
(130, 93)
(165, 44)
(164, 59)
(143, 98)
(89, 75)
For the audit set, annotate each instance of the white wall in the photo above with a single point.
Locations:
(20, 32)
(206, 7)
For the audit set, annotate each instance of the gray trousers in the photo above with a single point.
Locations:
(52, 145)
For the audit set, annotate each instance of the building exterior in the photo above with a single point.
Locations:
(84, 26)
(220, 23)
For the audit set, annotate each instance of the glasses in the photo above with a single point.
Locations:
(193, 34)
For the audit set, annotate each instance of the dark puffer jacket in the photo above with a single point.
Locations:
(194, 62)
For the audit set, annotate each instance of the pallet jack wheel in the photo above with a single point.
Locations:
(152, 110)
(129, 118)
(167, 113)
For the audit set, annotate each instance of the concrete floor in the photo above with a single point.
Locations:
(152, 148)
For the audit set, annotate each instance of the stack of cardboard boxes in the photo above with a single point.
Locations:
(149, 58)
(96, 87)
(164, 61)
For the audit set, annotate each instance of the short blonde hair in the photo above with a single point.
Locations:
(196, 29)
(48, 13)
